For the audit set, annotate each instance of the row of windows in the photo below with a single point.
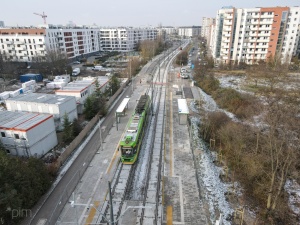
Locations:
(251, 55)
(16, 136)
(13, 40)
(84, 93)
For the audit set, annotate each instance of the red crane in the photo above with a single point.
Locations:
(43, 16)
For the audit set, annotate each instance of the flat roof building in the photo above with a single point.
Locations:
(27, 134)
(81, 89)
(55, 105)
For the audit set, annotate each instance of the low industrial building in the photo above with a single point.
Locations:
(27, 134)
(55, 105)
(81, 89)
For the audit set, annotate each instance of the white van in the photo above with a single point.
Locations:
(97, 68)
(76, 71)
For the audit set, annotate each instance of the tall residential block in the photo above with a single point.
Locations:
(250, 35)
(30, 44)
(124, 39)
(206, 29)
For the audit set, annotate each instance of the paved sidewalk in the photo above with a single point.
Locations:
(93, 186)
(181, 200)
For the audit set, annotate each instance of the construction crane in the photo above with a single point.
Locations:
(43, 16)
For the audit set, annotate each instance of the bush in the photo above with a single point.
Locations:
(209, 84)
(23, 182)
(89, 65)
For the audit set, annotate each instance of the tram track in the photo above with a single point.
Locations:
(129, 182)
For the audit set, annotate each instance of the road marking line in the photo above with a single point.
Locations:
(114, 155)
(169, 215)
(90, 199)
(92, 213)
(181, 200)
(171, 136)
(112, 160)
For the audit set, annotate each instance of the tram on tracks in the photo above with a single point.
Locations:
(131, 141)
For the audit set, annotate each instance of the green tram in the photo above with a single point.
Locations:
(131, 141)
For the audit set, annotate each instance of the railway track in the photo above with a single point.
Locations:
(139, 184)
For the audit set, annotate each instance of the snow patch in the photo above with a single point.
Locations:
(212, 187)
(293, 189)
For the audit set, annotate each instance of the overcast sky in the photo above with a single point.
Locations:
(122, 12)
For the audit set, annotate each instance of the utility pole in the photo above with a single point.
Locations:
(101, 141)
(152, 107)
(130, 74)
(111, 206)
(159, 69)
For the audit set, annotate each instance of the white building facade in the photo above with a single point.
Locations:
(206, 28)
(32, 44)
(124, 39)
(192, 31)
(25, 45)
(27, 134)
(250, 35)
(75, 42)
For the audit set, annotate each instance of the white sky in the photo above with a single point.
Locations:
(122, 12)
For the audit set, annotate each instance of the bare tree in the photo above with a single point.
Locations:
(54, 62)
(281, 145)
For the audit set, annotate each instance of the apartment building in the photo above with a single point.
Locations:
(124, 39)
(170, 30)
(30, 44)
(206, 26)
(74, 41)
(188, 31)
(253, 34)
(22, 44)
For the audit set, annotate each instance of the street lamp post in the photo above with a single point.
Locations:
(131, 77)
(101, 141)
(111, 205)
(152, 107)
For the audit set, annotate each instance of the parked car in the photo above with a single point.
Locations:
(184, 75)
(76, 62)
(182, 70)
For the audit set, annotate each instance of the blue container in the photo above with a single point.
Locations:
(27, 77)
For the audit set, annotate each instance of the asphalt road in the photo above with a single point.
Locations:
(73, 174)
